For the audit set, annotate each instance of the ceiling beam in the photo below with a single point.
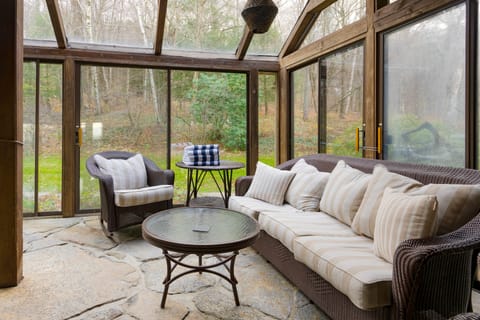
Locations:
(304, 24)
(57, 23)
(169, 59)
(162, 15)
(244, 43)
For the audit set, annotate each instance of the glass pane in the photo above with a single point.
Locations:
(204, 25)
(271, 42)
(208, 107)
(305, 110)
(335, 17)
(110, 22)
(121, 109)
(50, 139)
(267, 111)
(424, 87)
(341, 91)
(36, 22)
(29, 91)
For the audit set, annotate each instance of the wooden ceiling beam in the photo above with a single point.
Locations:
(57, 23)
(162, 15)
(304, 24)
(168, 59)
(244, 43)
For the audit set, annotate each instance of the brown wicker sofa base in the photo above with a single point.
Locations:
(432, 278)
(330, 300)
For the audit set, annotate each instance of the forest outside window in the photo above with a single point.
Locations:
(424, 90)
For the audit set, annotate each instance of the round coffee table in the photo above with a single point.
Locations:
(200, 231)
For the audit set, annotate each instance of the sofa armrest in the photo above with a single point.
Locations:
(242, 184)
(436, 274)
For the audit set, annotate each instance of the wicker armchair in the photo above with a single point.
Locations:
(436, 274)
(117, 216)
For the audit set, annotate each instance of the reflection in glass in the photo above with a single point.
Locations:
(121, 109)
(305, 110)
(424, 90)
(37, 24)
(50, 138)
(110, 22)
(213, 26)
(208, 107)
(336, 16)
(267, 109)
(341, 101)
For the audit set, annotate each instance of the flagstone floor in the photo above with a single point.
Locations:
(72, 271)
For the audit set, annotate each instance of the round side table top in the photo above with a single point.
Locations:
(224, 165)
(200, 230)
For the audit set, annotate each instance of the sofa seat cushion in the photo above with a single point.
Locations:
(349, 265)
(252, 206)
(135, 197)
(285, 227)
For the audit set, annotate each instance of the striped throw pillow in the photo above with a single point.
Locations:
(457, 203)
(364, 221)
(306, 188)
(126, 174)
(270, 184)
(400, 217)
(344, 192)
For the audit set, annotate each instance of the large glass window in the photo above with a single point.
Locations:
(271, 42)
(424, 90)
(42, 133)
(267, 107)
(204, 25)
(341, 101)
(305, 110)
(208, 108)
(121, 109)
(37, 24)
(110, 22)
(336, 16)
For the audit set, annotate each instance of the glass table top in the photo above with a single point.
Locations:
(200, 227)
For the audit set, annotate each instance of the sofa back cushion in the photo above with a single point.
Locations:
(344, 192)
(126, 173)
(364, 221)
(270, 184)
(400, 217)
(457, 203)
(306, 188)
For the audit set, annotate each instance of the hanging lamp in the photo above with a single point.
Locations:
(259, 15)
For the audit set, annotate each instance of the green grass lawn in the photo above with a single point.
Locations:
(50, 181)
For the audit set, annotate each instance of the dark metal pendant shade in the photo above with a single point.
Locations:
(259, 15)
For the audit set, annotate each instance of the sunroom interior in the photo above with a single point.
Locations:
(380, 79)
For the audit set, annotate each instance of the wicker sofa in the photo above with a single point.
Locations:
(432, 278)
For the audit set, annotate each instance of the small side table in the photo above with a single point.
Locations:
(196, 175)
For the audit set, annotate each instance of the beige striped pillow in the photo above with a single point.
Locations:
(364, 221)
(400, 217)
(307, 186)
(344, 192)
(126, 174)
(457, 203)
(270, 184)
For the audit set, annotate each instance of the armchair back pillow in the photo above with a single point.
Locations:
(126, 174)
